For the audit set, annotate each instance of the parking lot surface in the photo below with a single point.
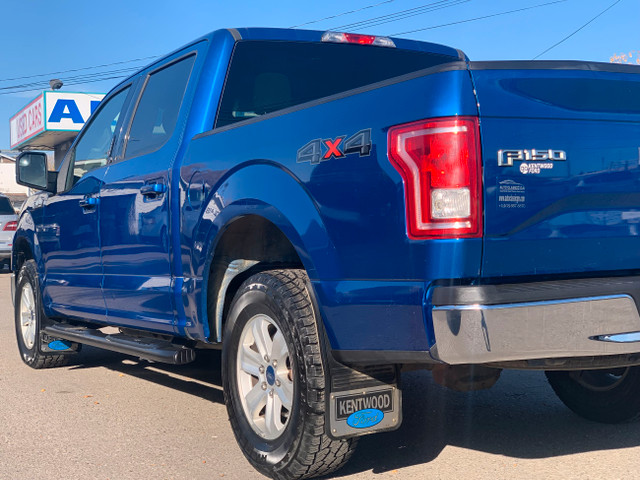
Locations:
(109, 416)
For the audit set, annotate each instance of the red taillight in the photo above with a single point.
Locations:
(10, 226)
(439, 161)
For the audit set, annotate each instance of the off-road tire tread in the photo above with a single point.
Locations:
(53, 361)
(316, 454)
(40, 360)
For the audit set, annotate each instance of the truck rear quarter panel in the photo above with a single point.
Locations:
(346, 216)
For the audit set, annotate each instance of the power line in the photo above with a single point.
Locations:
(342, 14)
(477, 18)
(74, 79)
(99, 76)
(70, 83)
(374, 21)
(78, 69)
(401, 15)
(576, 31)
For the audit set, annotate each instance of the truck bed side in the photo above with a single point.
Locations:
(345, 216)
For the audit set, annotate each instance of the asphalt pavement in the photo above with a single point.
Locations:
(109, 416)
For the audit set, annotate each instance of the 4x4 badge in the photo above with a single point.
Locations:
(320, 150)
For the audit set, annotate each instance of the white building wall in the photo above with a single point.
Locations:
(8, 180)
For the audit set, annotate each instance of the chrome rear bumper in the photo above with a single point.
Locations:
(575, 327)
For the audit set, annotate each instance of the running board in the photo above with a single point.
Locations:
(152, 349)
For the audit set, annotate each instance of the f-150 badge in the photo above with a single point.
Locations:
(539, 159)
(320, 150)
(507, 157)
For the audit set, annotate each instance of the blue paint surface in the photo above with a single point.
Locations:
(145, 262)
(582, 215)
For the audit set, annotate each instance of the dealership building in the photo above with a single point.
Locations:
(51, 121)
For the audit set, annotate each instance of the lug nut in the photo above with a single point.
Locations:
(264, 385)
(266, 358)
(261, 369)
(275, 363)
(271, 393)
(278, 383)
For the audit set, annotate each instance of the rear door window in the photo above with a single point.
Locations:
(157, 112)
(266, 76)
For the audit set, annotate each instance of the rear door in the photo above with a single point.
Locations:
(561, 154)
(135, 201)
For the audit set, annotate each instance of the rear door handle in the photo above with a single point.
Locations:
(153, 190)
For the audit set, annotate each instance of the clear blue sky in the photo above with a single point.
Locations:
(49, 36)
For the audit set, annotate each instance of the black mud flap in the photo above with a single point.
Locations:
(363, 400)
(49, 344)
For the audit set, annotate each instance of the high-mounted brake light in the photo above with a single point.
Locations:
(439, 161)
(338, 37)
(10, 226)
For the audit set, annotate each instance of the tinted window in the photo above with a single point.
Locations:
(267, 76)
(92, 149)
(157, 112)
(5, 207)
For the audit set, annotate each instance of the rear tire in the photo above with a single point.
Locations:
(274, 379)
(605, 396)
(29, 317)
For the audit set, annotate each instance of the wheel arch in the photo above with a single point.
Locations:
(260, 212)
(26, 246)
(22, 251)
(257, 241)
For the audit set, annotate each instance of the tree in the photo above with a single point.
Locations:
(633, 57)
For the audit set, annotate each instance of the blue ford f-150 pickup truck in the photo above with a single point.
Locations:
(331, 208)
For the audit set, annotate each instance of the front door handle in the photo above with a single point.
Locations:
(89, 203)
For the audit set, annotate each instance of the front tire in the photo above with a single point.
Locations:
(29, 317)
(274, 379)
(605, 396)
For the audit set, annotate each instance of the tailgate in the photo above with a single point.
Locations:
(561, 159)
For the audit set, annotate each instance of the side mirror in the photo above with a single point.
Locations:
(31, 171)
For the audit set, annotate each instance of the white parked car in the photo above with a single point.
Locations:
(8, 224)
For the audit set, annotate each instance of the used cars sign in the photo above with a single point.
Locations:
(52, 111)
